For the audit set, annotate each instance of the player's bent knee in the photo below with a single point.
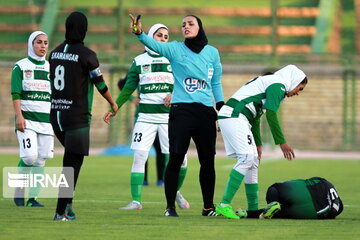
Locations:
(244, 162)
(29, 160)
(40, 162)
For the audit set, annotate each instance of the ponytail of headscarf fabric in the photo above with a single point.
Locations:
(151, 33)
(197, 43)
(31, 52)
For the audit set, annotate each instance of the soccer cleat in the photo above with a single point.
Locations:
(226, 211)
(241, 213)
(69, 213)
(270, 210)
(132, 205)
(209, 212)
(63, 217)
(160, 183)
(181, 201)
(33, 203)
(171, 212)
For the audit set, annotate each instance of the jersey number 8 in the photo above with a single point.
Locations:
(59, 81)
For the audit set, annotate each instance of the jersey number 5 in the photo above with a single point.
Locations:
(59, 81)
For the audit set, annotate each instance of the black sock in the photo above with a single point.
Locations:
(75, 161)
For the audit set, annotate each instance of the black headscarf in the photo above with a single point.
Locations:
(197, 43)
(76, 28)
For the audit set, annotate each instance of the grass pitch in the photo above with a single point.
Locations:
(104, 186)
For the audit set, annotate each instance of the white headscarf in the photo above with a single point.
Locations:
(31, 52)
(151, 33)
(291, 75)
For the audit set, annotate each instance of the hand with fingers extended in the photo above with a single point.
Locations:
(287, 151)
(135, 24)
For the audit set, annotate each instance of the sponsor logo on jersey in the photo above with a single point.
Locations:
(150, 88)
(36, 85)
(192, 85)
(39, 68)
(28, 74)
(145, 68)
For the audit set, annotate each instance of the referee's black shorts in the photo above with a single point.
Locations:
(192, 120)
(75, 141)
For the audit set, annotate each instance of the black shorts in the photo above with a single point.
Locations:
(192, 120)
(75, 141)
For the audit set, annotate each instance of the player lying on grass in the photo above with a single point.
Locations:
(314, 198)
(239, 121)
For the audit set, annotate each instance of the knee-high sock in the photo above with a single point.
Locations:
(172, 177)
(232, 186)
(136, 182)
(137, 174)
(182, 175)
(252, 196)
(23, 168)
(34, 191)
(167, 158)
(75, 161)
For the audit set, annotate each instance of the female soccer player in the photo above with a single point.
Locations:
(152, 75)
(74, 72)
(31, 94)
(197, 72)
(313, 198)
(239, 121)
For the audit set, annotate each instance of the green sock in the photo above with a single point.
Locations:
(182, 175)
(167, 159)
(252, 196)
(136, 181)
(232, 186)
(34, 191)
(23, 167)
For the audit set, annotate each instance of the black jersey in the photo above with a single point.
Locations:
(325, 197)
(74, 69)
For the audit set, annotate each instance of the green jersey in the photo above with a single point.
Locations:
(152, 76)
(30, 84)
